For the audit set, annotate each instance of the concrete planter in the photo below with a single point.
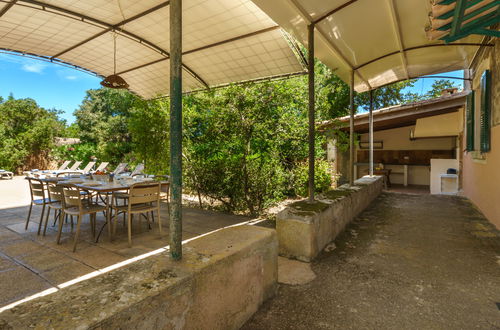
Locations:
(304, 229)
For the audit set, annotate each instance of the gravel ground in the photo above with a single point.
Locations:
(407, 262)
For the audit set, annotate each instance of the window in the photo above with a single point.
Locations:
(485, 117)
(470, 121)
(478, 123)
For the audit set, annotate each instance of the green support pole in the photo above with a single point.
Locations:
(351, 132)
(370, 129)
(176, 129)
(310, 30)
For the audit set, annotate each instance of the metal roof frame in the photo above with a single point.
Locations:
(122, 30)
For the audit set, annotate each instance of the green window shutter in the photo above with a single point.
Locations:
(470, 122)
(485, 111)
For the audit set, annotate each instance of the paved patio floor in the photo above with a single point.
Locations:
(30, 263)
(407, 262)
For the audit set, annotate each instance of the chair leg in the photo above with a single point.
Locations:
(129, 228)
(115, 224)
(149, 223)
(159, 219)
(92, 224)
(60, 227)
(41, 220)
(47, 220)
(29, 215)
(56, 216)
(78, 222)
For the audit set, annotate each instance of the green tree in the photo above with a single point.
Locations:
(436, 88)
(148, 124)
(27, 133)
(102, 119)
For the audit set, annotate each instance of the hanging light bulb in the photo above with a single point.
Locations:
(114, 80)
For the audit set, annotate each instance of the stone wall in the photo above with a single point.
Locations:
(221, 281)
(304, 229)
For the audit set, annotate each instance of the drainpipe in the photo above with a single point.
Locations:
(310, 44)
(371, 132)
(176, 129)
(351, 132)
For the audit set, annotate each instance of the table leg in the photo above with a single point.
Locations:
(405, 176)
(108, 216)
(108, 219)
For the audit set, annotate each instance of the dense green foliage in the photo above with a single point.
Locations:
(27, 133)
(148, 125)
(243, 143)
(102, 121)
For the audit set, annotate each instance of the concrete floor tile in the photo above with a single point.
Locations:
(44, 259)
(19, 248)
(97, 257)
(67, 273)
(18, 283)
(6, 263)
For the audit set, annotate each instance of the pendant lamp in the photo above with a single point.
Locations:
(114, 80)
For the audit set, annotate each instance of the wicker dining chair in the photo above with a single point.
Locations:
(76, 205)
(143, 198)
(38, 197)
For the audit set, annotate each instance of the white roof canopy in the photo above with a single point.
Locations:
(224, 41)
(383, 41)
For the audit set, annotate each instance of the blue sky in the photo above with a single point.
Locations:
(55, 86)
(50, 85)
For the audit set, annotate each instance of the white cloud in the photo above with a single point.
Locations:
(36, 67)
(70, 77)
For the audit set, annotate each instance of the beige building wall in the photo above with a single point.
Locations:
(449, 124)
(399, 139)
(481, 172)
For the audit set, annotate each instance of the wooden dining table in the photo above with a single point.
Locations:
(104, 188)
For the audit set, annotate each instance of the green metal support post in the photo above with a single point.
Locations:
(351, 132)
(370, 128)
(310, 37)
(176, 129)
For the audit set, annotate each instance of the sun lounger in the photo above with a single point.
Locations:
(101, 167)
(63, 167)
(86, 170)
(120, 168)
(138, 170)
(6, 174)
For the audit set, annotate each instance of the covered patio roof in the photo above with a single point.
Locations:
(381, 41)
(224, 41)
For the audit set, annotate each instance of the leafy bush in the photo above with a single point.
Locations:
(242, 143)
(75, 152)
(322, 177)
